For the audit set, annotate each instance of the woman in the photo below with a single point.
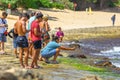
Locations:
(53, 49)
(45, 29)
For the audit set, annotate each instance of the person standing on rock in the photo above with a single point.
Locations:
(113, 18)
(36, 39)
(22, 42)
(3, 29)
(52, 49)
(45, 28)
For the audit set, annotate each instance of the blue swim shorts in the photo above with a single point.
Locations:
(2, 37)
(22, 41)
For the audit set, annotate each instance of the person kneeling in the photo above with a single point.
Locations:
(52, 49)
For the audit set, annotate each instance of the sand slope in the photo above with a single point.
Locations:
(68, 19)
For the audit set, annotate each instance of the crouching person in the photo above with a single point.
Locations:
(52, 49)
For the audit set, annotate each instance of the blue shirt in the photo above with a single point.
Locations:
(51, 46)
(30, 22)
(3, 29)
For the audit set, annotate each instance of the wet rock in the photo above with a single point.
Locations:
(103, 63)
(5, 67)
(116, 70)
(77, 56)
(74, 45)
(91, 78)
(25, 74)
(7, 76)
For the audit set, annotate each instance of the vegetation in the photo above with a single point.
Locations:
(80, 66)
(37, 3)
(61, 4)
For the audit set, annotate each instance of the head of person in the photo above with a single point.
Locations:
(36, 13)
(25, 16)
(32, 14)
(39, 17)
(20, 16)
(59, 29)
(4, 15)
(56, 39)
(45, 17)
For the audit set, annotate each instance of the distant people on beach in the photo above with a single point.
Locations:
(3, 31)
(60, 34)
(53, 48)
(113, 19)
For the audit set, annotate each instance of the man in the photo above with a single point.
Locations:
(36, 39)
(3, 28)
(20, 29)
(113, 18)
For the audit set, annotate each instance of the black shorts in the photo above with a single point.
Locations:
(37, 44)
(22, 41)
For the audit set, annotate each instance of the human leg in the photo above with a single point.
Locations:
(37, 46)
(26, 56)
(15, 52)
(56, 55)
(21, 57)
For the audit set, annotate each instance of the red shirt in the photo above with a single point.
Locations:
(35, 24)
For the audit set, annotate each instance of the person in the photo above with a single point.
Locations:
(113, 18)
(3, 29)
(14, 36)
(20, 29)
(36, 39)
(60, 34)
(52, 49)
(32, 18)
(45, 28)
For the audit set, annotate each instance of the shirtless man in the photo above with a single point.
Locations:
(20, 29)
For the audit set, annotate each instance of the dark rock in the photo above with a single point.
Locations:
(77, 56)
(28, 74)
(103, 63)
(74, 45)
(7, 76)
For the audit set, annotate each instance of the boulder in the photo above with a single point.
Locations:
(103, 63)
(77, 56)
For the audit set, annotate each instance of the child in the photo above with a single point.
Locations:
(60, 34)
(14, 36)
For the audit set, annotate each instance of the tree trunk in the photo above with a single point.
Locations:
(101, 4)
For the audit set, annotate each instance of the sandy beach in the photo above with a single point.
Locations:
(68, 19)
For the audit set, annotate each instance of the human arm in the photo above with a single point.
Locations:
(3, 23)
(15, 29)
(9, 33)
(47, 26)
(36, 31)
(65, 48)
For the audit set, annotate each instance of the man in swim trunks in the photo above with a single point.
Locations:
(20, 29)
(36, 39)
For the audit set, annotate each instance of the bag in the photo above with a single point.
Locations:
(6, 33)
